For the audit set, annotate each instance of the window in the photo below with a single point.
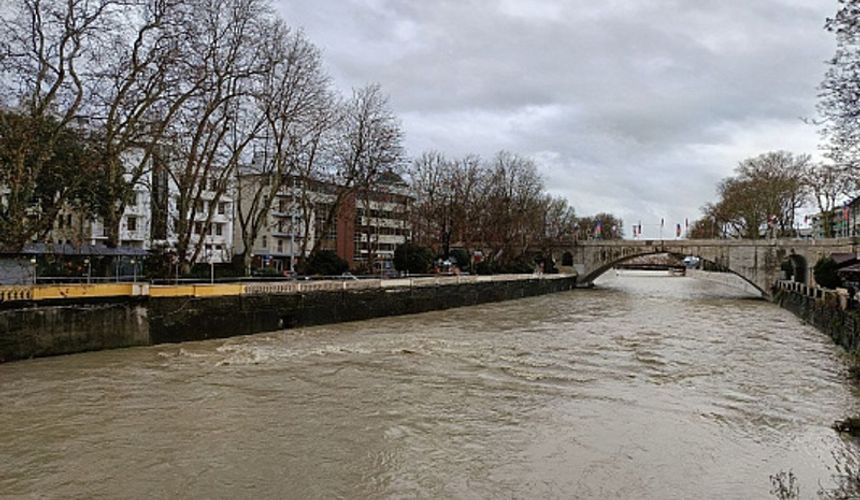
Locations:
(222, 208)
(133, 201)
(219, 229)
(280, 246)
(198, 227)
(265, 242)
(199, 206)
(132, 224)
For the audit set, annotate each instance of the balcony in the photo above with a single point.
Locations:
(277, 233)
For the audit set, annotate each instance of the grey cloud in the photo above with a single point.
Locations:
(632, 106)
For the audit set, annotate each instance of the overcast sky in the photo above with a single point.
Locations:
(636, 107)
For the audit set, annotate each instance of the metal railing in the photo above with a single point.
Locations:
(15, 293)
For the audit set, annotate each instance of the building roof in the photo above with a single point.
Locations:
(851, 271)
(844, 259)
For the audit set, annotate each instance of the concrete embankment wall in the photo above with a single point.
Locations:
(78, 325)
(843, 326)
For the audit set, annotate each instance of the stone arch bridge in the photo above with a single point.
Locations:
(759, 262)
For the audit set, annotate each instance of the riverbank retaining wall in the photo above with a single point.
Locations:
(825, 313)
(76, 325)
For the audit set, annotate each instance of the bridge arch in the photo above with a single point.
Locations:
(611, 263)
(567, 259)
(795, 268)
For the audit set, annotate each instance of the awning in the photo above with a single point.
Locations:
(844, 259)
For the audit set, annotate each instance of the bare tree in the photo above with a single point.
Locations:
(297, 105)
(514, 195)
(368, 148)
(43, 46)
(136, 91)
(430, 175)
(765, 193)
(210, 133)
(828, 182)
(559, 219)
(838, 104)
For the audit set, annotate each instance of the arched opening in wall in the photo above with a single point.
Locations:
(567, 259)
(794, 268)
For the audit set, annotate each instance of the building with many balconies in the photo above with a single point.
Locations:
(367, 226)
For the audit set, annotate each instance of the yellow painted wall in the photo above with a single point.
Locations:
(218, 290)
(51, 292)
(82, 291)
(172, 291)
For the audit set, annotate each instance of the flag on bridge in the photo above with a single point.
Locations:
(598, 228)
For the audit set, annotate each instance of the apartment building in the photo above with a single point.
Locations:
(134, 225)
(288, 227)
(845, 221)
(381, 223)
(367, 223)
(149, 220)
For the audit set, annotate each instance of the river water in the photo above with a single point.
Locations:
(643, 388)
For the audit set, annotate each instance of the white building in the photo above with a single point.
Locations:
(149, 221)
(279, 243)
(135, 225)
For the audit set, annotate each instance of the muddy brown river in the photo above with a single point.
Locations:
(643, 388)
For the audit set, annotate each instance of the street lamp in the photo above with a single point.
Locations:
(89, 269)
(134, 270)
(292, 240)
(209, 255)
(33, 263)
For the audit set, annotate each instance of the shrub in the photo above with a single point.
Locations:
(326, 263)
(461, 257)
(784, 486)
(850, 425)
(413, 258)
(854, 366)
(518, 266)
(825, 273)
(486, 267)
